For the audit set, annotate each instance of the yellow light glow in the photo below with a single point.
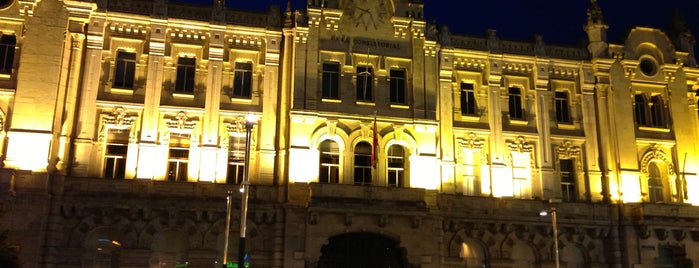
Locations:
(28, 151)
(424, 172)
(303, 165)
(631, 188)
(485, 180)
(148, 160)
(692, 190)
(502, 181)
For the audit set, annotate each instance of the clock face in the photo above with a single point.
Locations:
(367, 14)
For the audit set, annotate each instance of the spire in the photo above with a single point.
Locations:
(594, 14)
(288, 16)
(596, 30)
(682, 37)
(220, 4)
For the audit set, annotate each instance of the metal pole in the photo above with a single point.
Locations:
(228, 227)
(245, 188)
(555, 236)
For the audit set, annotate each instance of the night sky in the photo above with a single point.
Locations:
(559, 21)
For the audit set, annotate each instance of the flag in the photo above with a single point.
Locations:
(375, 144)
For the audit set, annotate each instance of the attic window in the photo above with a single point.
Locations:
(648, 66)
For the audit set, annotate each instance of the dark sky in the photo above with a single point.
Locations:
(559, 21)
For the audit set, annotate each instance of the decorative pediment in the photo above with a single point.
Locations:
(471, 143)
(656, 153)
(181, 121)
(119, 118)
(237, 126)
(567, 149)
(520, 145)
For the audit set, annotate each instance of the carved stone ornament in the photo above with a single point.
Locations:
(656, 153)
(118, 118)
(520, 145)
(181, 121)
(471, 143)
(237, 126)
(567, 149)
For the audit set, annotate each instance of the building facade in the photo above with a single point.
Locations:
(380, 140)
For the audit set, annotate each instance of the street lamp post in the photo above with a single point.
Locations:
(245, 189)
(229, 197)
(555, 233)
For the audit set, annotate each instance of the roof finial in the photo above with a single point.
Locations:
(594, 13)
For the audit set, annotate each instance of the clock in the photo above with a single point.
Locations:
(367, 14)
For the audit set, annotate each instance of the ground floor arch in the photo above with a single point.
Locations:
(362, 249)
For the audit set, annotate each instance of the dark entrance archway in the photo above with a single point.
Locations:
(362, 250)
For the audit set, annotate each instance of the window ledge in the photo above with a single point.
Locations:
(400, 106)
(568, 126)
(188, 96)
(240, 100)
(519, 122)
(654, 129)
(470, 117)
(331, 100)
(121, 91)
(365, 103)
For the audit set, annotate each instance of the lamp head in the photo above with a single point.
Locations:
(251, 118)
(543, 213)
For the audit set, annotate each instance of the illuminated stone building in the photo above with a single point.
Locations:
(381, 140)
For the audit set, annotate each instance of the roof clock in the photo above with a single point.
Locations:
(368, 14)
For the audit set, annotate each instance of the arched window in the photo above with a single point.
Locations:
(396, 165)
(329, 162)
(655, 184)
(362, 164)
(472, 254)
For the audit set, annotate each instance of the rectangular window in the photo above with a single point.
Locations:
(640, 110)
(7, 53)
(242, 80)
(515, 103)
(562, 110)
(364, 83)
(331, 81)
(236, 160)
(177, 164)
(397, 86)
(115, 161)
(468, 99)
(657, 112)
(185, 75)
(124, 70)
(521, 172)
(396, 166)
(567, 171)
